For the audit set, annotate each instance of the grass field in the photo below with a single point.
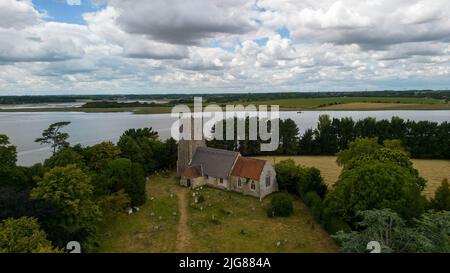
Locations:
(330, 103)
(230, 222)
(143, 231)
(434, 171)
(240, 224)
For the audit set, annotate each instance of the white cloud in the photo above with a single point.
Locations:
(232, 45)
(73, 2)
(18, 14)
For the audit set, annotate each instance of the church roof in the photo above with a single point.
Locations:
(214, 162)
(248, 168)
(193, 172)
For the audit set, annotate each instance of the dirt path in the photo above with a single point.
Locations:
(183, 233)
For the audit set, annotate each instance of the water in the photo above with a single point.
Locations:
(41, 105)
(92, 128)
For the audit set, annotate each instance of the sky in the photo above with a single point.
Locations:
(221, 46)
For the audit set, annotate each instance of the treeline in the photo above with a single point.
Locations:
(114, 104)
(65, 199)
(250, 97)
(421, 139)
(378, 197)
(227, 97)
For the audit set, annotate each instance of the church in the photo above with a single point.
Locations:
(199, 165)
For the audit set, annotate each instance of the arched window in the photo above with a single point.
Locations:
(239, 182)
(268, 180)
(253, 186)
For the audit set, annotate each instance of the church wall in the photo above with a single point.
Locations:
(198, 182)
(215, 182)
(268, 170)
(195, 182)
(246, 186)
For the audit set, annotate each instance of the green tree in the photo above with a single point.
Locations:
(359, 147)
(312, 181)
(288, 137)
(70, 190)
(299, 180)
(124, 174)
(137, 134)
(395, 144)
(435, 226)
(428, 234)
(325, 136)
(8, 153)
(386, 155)
(23, 235)
(130, 149)
(11, 175)
(441, 200)
(64, 157)
(53, 136)
(288, 175)
(375, 185)
(98, 156)
(307, 144)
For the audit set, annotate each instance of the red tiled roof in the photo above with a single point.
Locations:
(193, 172)
(248, 167)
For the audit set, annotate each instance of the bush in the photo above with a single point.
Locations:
(315, 204)
(311, 181)
(200, 199)
(281, 205)
(441, 200)
(333, 225)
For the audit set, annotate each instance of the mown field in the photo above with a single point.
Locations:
(434, 171)
(297, 104)
(357, 102)
(224, 222)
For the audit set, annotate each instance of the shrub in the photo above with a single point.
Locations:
(200, 199)
(441, 200)
(315, 204)
(281, 205)
(334, 224)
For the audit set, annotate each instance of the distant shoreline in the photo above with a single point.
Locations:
(166, 110)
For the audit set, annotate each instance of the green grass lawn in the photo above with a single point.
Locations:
(231, 222)
(240, 224)
(140, 231)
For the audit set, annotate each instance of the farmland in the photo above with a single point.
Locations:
(434, 171)
(294, 104)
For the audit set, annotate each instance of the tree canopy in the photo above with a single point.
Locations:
(70, 189)
(23, 235)
(53, 136)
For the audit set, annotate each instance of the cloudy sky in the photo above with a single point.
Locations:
(195, 46)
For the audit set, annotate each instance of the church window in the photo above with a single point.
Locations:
(253, 185)
(239, 182)
(268, 180)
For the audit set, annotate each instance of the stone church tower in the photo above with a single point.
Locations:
(187, 147)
